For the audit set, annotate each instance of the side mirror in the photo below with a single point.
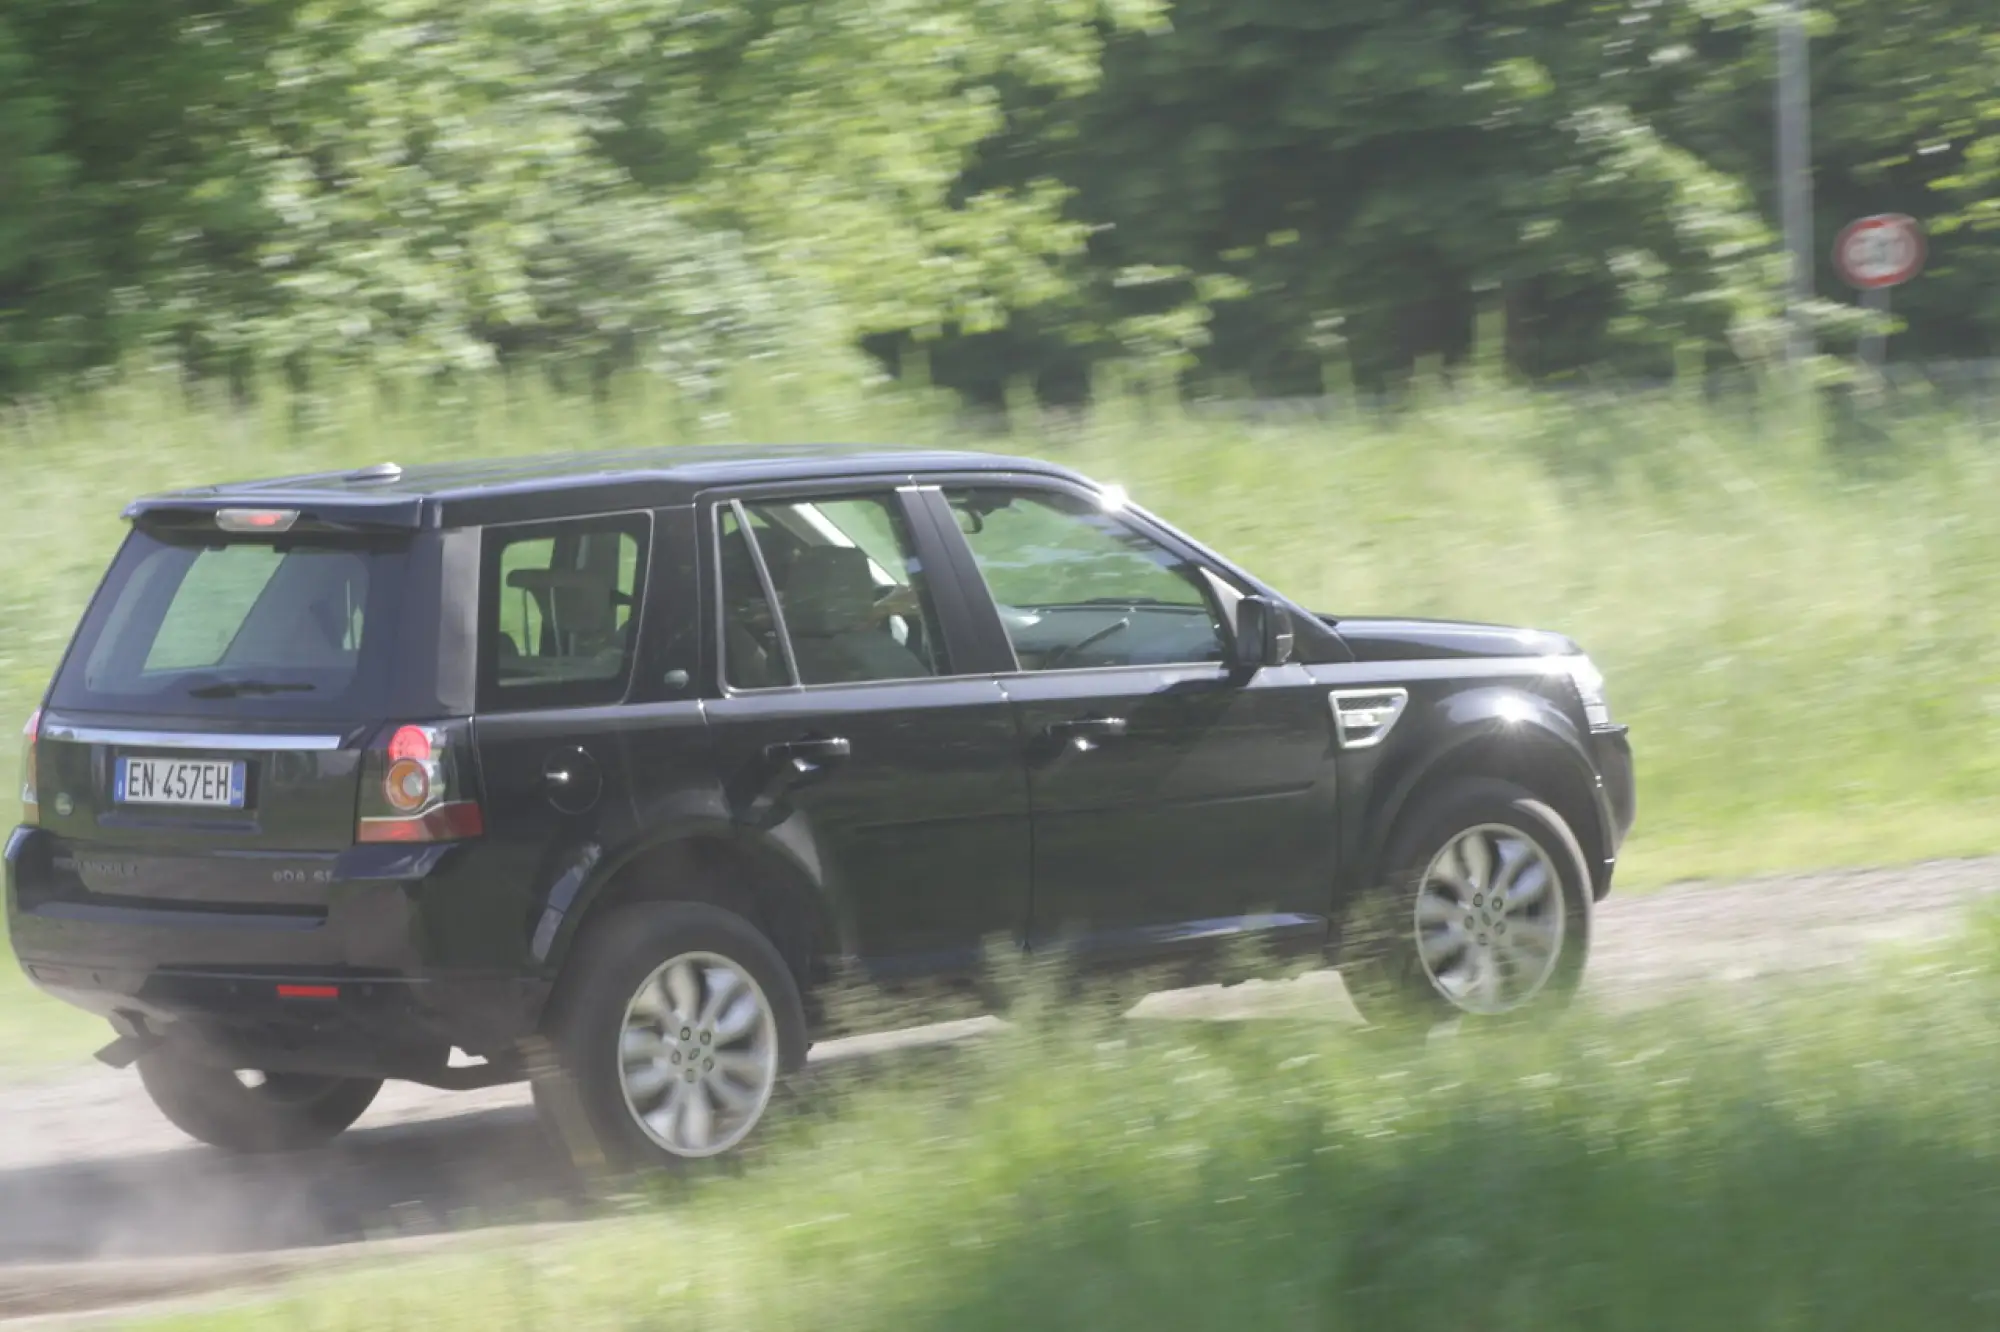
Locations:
(1263, 633)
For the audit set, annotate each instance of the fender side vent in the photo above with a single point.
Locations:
(1364, 717)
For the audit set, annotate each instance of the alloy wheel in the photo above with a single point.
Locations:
(698, 1055)
(1490, 919)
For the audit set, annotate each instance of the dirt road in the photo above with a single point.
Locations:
(90, 1173)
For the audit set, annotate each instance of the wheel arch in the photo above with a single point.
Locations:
(757, 875)
(1511, 736)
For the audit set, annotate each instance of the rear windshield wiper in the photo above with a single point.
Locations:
(238, 688)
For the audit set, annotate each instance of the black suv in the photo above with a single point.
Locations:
(416, 773)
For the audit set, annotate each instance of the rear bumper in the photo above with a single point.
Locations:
(356, 1025)
(209, 974)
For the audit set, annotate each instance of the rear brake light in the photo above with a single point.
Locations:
(256, 520)
(309, 992)
(31, 801)
(415, 786)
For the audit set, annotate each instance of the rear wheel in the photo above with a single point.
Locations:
(240, 1110)
(672, 1037)
(1484, 913)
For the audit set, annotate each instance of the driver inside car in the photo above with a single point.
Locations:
(836, 622)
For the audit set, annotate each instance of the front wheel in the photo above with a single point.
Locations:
(673, 1038)
(1484, 913)
(239, 1110)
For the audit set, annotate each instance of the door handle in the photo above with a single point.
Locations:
(791, 763)
(804, 758)
(1084, 733)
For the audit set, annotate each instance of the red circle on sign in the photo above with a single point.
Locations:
(1886, 250)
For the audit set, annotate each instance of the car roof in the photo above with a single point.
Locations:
(513, 489)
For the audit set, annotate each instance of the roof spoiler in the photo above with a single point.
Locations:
(274, 513)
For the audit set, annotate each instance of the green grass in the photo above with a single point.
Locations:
(37, 1036)
(1803, 644)
(1826, 1159)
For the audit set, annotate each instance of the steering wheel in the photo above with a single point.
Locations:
(1064, 653)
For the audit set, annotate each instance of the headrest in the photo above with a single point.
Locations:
(581, 601)
(829, 591)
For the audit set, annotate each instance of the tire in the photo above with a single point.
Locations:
(284, 1112)
(625, 1090)
(1410, 973)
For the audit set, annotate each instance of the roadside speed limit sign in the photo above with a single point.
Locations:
(1886, 250)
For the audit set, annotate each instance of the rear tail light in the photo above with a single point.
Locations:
(415, 787)
(31, 800)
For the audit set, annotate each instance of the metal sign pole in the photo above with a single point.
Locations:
(1795, 185)
(1874, 343)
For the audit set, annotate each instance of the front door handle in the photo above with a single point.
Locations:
(805, 758)
(1085, 733)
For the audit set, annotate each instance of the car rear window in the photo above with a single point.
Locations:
(239, 626)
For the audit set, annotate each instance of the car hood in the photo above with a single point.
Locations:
(1374, 638)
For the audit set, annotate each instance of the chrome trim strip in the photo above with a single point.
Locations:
(233, 740)
(1394, 697)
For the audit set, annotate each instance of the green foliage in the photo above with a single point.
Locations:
(32, 250)
(1283, 195)
(427, 187)
(1958, 156)
(1367, 176)
(1902, 101)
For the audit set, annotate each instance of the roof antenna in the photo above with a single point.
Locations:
(385, 471)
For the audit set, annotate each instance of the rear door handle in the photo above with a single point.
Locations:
(803, 758)
(1085, 732)
(789, 763)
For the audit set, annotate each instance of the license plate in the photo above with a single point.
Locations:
(204, 783)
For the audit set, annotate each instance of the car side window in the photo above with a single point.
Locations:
(853, 603)
(1078, 587)
(559, 611)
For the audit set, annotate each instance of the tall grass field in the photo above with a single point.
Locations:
(1824, 1159)
(1801, 635)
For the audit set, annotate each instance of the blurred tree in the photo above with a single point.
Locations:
(1902, 99)
(38, 258)
(1264, 193)
(1367, 175)
(121, 184)
(427, 186)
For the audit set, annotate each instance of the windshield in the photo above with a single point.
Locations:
(284, 628)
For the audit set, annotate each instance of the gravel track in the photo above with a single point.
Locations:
(100, 1199)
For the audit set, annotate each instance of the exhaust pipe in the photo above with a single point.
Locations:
(125, 1051)
(134, 1039)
